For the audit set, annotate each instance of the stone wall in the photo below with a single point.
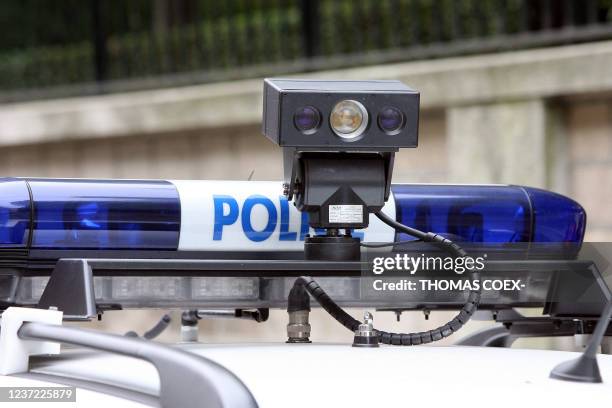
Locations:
(589, 132)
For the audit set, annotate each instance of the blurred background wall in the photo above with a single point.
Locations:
(513, 91)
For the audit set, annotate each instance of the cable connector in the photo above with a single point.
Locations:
(298, 308)
(365, 335)
(298, 328)
(189, 326)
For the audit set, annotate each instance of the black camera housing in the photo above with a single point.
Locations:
(283, 97)
(338, 179)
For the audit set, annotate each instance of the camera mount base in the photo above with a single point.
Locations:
(332, 248)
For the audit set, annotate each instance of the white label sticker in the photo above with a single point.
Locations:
(346, 214)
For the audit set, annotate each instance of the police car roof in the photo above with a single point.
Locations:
(280, 375)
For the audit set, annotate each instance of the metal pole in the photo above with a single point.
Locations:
(310, 27)
(100, 51)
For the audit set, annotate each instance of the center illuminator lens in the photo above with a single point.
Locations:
(349, 119)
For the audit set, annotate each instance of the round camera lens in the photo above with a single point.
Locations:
(391, 120)
(349, 119)
(307, 119)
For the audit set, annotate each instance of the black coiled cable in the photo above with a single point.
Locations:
(404, 339)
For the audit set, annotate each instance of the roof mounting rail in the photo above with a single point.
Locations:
(186, 379)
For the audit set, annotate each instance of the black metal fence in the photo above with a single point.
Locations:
(73, 46)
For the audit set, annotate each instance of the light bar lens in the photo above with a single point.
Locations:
(14, 213)
(135, 287)
(248, 292)
(105, 214)
(182, 288)
(556, 218)
(225, 287)
(490, 214)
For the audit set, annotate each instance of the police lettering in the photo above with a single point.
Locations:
(227, 211)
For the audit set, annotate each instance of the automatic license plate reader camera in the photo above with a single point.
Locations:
(339, 140)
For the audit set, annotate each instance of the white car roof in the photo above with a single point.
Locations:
(337, 375)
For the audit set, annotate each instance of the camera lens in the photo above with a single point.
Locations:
(391, 120)
(307, 119)
(349, 119)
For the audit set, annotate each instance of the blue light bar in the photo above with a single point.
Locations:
(211, 215)
(490, 213)
(89, 214)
